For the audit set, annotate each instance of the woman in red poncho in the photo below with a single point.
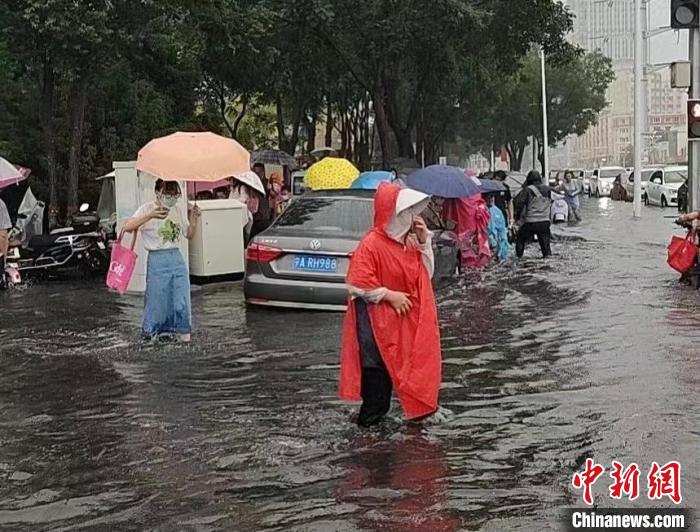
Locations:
(391, 338)
(472, 218)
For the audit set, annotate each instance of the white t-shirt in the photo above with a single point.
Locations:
(162, 234)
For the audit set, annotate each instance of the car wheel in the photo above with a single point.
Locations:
(664, 203)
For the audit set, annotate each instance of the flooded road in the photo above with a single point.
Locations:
(591, 354)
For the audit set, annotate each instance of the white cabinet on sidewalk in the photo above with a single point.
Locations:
(217, 247)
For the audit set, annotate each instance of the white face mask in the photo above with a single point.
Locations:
(167, 201)
(400, 225)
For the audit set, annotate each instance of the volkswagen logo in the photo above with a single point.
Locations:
(315, 245)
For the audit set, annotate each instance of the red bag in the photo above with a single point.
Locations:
(682, 253)
(121, 265)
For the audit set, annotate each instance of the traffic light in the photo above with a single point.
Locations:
(685, 14)
(693, 119)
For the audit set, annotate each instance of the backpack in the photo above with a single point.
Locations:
(538, 208)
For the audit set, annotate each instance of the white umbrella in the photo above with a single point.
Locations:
(252, 180)
(9, 174)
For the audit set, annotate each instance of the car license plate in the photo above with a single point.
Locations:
(315, 263)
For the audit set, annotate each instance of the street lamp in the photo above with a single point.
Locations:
(639, 125)
(545, 132)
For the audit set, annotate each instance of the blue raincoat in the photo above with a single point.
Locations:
(498, 234)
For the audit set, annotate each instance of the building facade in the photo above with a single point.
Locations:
(608, 26)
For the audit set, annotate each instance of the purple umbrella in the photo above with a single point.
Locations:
(443, 181)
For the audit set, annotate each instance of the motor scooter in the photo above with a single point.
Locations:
(80, 248)
(560, 209)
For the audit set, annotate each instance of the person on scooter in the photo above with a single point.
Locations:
(162, 226)
(692, 218)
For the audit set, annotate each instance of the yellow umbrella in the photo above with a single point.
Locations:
(331, 173)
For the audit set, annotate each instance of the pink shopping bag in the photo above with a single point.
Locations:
(121, 265)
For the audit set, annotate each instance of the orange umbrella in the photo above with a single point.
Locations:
(193, 157)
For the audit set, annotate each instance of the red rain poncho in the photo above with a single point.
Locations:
(409, 345)
(472, 218)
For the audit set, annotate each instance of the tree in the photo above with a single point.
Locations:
(68, 52)
(576, 88)
(416, 62)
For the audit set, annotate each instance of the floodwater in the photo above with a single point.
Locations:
(591, 354)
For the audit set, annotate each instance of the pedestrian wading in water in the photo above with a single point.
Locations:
(391, 339)
(162, 225)
(533, 215)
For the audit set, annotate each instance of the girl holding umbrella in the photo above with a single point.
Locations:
(162, 225)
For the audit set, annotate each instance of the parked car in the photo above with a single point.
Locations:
(629, 183)
(602, 180)
(664, 183)
(302, 260)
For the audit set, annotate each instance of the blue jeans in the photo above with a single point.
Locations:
(167, 308)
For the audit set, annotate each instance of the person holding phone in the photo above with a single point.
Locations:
(391, 337)
(162, 226)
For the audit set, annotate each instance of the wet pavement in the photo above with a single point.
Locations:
(593, 353)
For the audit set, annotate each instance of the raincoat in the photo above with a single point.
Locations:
(498, 233)
(409, 345)
(472, 218)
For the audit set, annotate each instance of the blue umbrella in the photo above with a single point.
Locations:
(443, 181)
(371, 180)
(491, 185)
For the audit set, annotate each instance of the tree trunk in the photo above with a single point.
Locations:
(329, 123)
(281, 135)
(520, 155)
(78, 103)
(516, 152)
(288, 144)
(383, 128)
(540, 158)
(221, 94)
(310, 124)
(240, 117)
(48, 100)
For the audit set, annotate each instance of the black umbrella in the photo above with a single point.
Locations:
(276, 157)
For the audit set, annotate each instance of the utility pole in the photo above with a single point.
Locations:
(685, 14)
(545, 132)
(646, 70)
(638, 108)
(694, 146)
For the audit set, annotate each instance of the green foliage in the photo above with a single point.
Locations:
(415, 75)
(576, 88)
